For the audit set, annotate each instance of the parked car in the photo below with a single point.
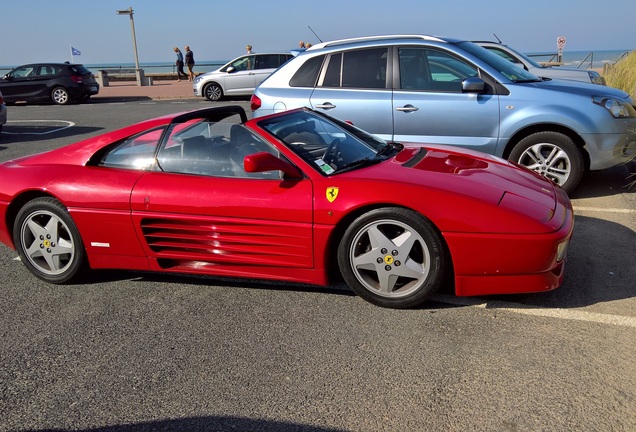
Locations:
(3, 112)
(555, 72)
(60, 83)
(238, 77)
(426, 89)
(295, 196)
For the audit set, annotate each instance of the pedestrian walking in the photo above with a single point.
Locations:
(179, 64)
(249, 49)
(189, 61)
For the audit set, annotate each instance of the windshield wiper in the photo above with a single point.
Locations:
(389, 149)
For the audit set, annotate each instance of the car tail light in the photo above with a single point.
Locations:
(1, 100)
(255, 102)
(76, 79)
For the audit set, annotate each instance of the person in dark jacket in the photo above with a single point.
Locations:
(189, 61)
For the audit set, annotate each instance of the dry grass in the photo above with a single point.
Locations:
(622, 75)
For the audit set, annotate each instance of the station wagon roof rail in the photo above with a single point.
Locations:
(375, 38)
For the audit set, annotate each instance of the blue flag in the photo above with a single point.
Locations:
(75, 51)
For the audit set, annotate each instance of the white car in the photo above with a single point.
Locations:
(3, 112)
(555, 72)
(239, 77)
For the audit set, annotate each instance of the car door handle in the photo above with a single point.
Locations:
(407, 108)
(326, 105)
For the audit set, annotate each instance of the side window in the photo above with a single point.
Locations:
(307, 74)
(269, 61)
(48, 71)
(24, 72)
(214, 149)
(364, 68)
(432, 70)
(243, 63)
(333, 73)
(136, 152)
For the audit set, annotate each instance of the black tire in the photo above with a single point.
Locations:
(213, 92)
(553, 155)
(392, 257)
(60, 96)
(48, 241)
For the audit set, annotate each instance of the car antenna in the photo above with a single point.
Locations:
(498, 40)
(315, 34)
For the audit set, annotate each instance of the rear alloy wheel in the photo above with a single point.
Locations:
(48, 241)
(213, 92)
(60, 96)
(392, 257)
(553, 155)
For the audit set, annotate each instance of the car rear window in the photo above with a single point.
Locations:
(80, 70)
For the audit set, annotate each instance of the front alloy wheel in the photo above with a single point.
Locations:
(553, 155)
(47, 241)
(392, 257)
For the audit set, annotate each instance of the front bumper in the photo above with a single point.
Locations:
(608, 150)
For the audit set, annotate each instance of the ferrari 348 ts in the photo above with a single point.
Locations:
(296, 196)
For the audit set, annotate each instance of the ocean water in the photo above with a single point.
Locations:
(580, 59)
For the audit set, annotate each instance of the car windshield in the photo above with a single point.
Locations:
(509, 70)
(329, 145)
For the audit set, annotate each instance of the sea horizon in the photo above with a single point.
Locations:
(584, 59)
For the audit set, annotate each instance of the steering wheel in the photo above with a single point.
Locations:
(331, 153)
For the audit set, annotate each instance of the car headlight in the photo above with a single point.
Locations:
(562, 249)
(618, 108)
(198, 79)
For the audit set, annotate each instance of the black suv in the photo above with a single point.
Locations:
(60, 83)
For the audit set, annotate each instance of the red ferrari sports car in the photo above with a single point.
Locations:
(295, 196)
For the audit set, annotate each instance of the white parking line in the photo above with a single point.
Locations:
(603, 210)
(67, 124)
(566, 314)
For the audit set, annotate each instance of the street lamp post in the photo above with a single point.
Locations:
(138, 72)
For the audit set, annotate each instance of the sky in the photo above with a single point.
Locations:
(44, 30)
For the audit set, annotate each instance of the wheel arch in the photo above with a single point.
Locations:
(331, 258)
(548, 127)
(18, 202)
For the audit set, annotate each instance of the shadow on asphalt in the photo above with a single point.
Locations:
(596, 275)
(612, 181)
(600, 268)
(207, 423)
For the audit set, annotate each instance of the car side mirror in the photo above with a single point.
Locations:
(263, 161)
(473, 85)
(231, 69)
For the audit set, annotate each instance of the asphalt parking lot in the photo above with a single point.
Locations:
(135, 352)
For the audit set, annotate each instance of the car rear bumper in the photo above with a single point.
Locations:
(3, 114)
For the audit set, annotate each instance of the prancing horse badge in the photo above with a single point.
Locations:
(332, 194)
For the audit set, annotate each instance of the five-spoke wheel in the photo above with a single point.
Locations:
(392, 257)
(47, 241)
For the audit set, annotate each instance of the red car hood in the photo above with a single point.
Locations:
(472, 173)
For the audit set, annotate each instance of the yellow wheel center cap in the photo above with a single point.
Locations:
(47, 243)
(388, 259)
